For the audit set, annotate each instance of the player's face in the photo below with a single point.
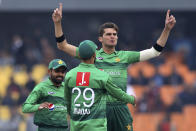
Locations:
(57, 75)
(109, 37)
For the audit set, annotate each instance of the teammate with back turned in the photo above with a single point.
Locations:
(114, 62)
(86, 91)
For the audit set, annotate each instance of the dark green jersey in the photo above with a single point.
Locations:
(47, 92)
(115, 65)
(86, 88)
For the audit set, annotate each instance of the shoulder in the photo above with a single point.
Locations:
(126, 52)
(69, 73)
(41, 85)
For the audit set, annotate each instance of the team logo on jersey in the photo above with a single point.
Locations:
(82, 78)
(51, 107)
(117, 59)
(99, 58)
(128, 127)
(50, 93)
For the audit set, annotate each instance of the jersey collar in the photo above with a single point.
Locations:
(87, 65)
(102, 51)
(51, 84)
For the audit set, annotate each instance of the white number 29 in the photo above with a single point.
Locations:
(84, 96)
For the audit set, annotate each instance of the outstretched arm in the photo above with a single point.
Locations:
(64, 45)
(116, 92)
(170, 21)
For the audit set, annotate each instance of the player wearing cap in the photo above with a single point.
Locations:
(47, 100)
(114, 62)
(86, 89)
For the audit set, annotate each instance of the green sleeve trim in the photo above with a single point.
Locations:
(77, 53)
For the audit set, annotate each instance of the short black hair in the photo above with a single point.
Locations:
(107, 25)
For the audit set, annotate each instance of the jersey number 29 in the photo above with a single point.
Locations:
(84, 96)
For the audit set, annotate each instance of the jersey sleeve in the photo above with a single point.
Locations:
(116, 92)
(30, 105)
(132, 56)
(67, 95)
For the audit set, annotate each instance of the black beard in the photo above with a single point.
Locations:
(56, 81)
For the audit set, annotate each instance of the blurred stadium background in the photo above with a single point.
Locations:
(165, 86)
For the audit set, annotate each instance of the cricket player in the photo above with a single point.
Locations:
(86, 88)
(114, 62)
(47, 100)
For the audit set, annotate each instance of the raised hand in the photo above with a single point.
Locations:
(170, 21)
(57, 14)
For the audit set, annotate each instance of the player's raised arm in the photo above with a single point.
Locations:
(170, 21)
(60, 38)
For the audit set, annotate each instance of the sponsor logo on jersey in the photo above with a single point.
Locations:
(113, 73)
(82, 78)
(99, 58)
(51, 107)
(50, 93)
(101, 69)
(117, 59)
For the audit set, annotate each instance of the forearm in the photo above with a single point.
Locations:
(119, 94)
(163, 37)
(64, 45)
(58, 29)
(148, 54)
(29, 108)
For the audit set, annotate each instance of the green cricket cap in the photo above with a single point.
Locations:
(56, 63)
(86, 49)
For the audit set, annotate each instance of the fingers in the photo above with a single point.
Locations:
(60, 7)
(44, 105)
(172, 19)
(167, 15)
(56, 11)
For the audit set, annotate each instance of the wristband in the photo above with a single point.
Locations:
(158, 47)
(60, 39)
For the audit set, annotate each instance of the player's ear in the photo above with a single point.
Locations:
(100, 39)
(94, 55)
(49, 71)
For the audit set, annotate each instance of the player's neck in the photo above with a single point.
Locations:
(90, 61)
(108, 50)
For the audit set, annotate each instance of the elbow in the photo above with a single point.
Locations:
(23, 110)
(59, 46)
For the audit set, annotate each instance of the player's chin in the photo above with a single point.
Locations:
(111, 44)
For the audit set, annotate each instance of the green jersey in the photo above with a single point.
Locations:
(86, 89)
(47, 92)
(115, 65)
